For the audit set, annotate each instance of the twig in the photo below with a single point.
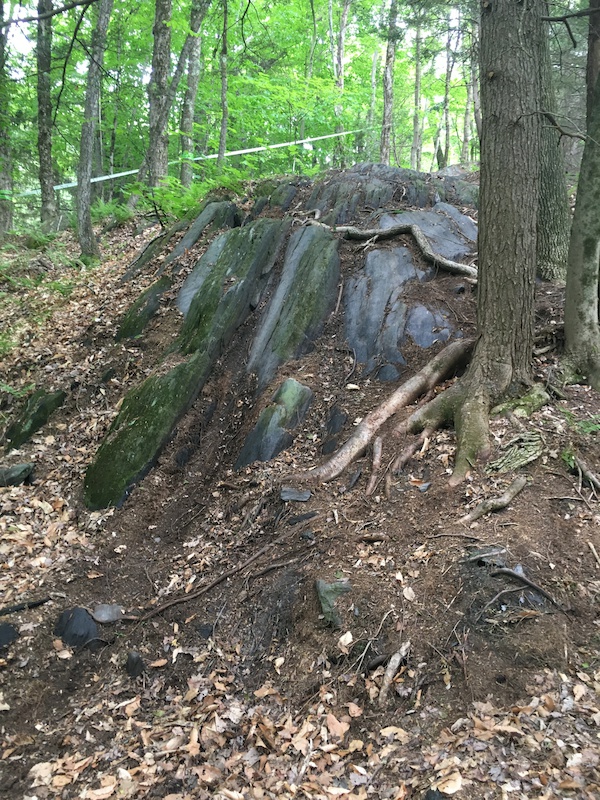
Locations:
(593, 480)
(518, 577)
(493, 600)
(457, 535)
(204, 589)
(495, 503)
(377, 450)
(23, 606)
(595, 552)
(391, 670)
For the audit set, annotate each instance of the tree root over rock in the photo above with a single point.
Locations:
(374, 234)
(444, 363)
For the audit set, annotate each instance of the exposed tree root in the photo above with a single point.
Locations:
(496, 503)
(446, 361)
(374, 234)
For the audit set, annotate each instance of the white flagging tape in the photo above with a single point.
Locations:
(114, 175)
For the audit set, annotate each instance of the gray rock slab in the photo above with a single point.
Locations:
(273, 431)
(441, 228)
(375, 312)
(297, 310)
(35, 414)
(16, 474)
(426, 327)
(221, 214)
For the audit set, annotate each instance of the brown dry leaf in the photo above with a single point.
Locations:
(159, 663)
(354, 710)
(408, 593)
(336, 728)
(398, 733)
(451, 784)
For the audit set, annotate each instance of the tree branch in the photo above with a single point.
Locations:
(17, 20)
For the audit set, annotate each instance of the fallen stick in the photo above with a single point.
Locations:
(377, 450)
(495, 503)
(594, 552)
(391, 670)
(432, 373)
(518, 577)
(593, 480)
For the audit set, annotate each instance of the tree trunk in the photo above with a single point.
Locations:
(85, 231)
(158, 151)
(475, 78)
(6, 182)
(388, 84)
(582, 333)
(371, 136)
(465, 152)
(339, 81)
(224, 106)
(415, 151)
(310, 64)
(593, 57)
(449, 69)
(44, 114)
(554, 217)
(187, 112)
(511, 39)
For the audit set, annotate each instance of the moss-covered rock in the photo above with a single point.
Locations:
(35, 415)
(223, 286)
(141, 429)
(297, 311)
(142, 311)
(272, 432)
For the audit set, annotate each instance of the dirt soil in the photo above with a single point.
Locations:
(247, 691)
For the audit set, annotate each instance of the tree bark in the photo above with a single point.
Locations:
(450, 58)
(511, 39)
(415, 151)
(582, 333)
(44, 113)
(475, 78)
(554, 217)
(465, 152)
(6, 182)
(388, 84)
(85, 231)
(158, 151)
(593, 57)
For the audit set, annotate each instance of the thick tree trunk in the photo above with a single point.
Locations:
(224, 105)
(85, 232)
(158, 151)
(388, 84)
(44, 114)
(6, 182)
(511, 38)
(582, 333)
(415, 151)
(593, 58)
(554, 217)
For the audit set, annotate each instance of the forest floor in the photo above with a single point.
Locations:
(247, 693)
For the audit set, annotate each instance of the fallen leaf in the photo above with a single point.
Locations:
(336, 728)
(354, 710)
(451, 784)
(344, 642)
(408, 594)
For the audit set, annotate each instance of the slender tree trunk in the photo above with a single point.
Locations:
(6, 182)
(582, 332)
(310, 64)
(187, 112)
(447, 84)
(388, 84)
(415, 150)
(332, 39)
(371, 137)
(465, 152)
(554, 217)
(475, 78)
(44, 114)
(85, 232)
(224, 106)
(158, 151)
(339, 72)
